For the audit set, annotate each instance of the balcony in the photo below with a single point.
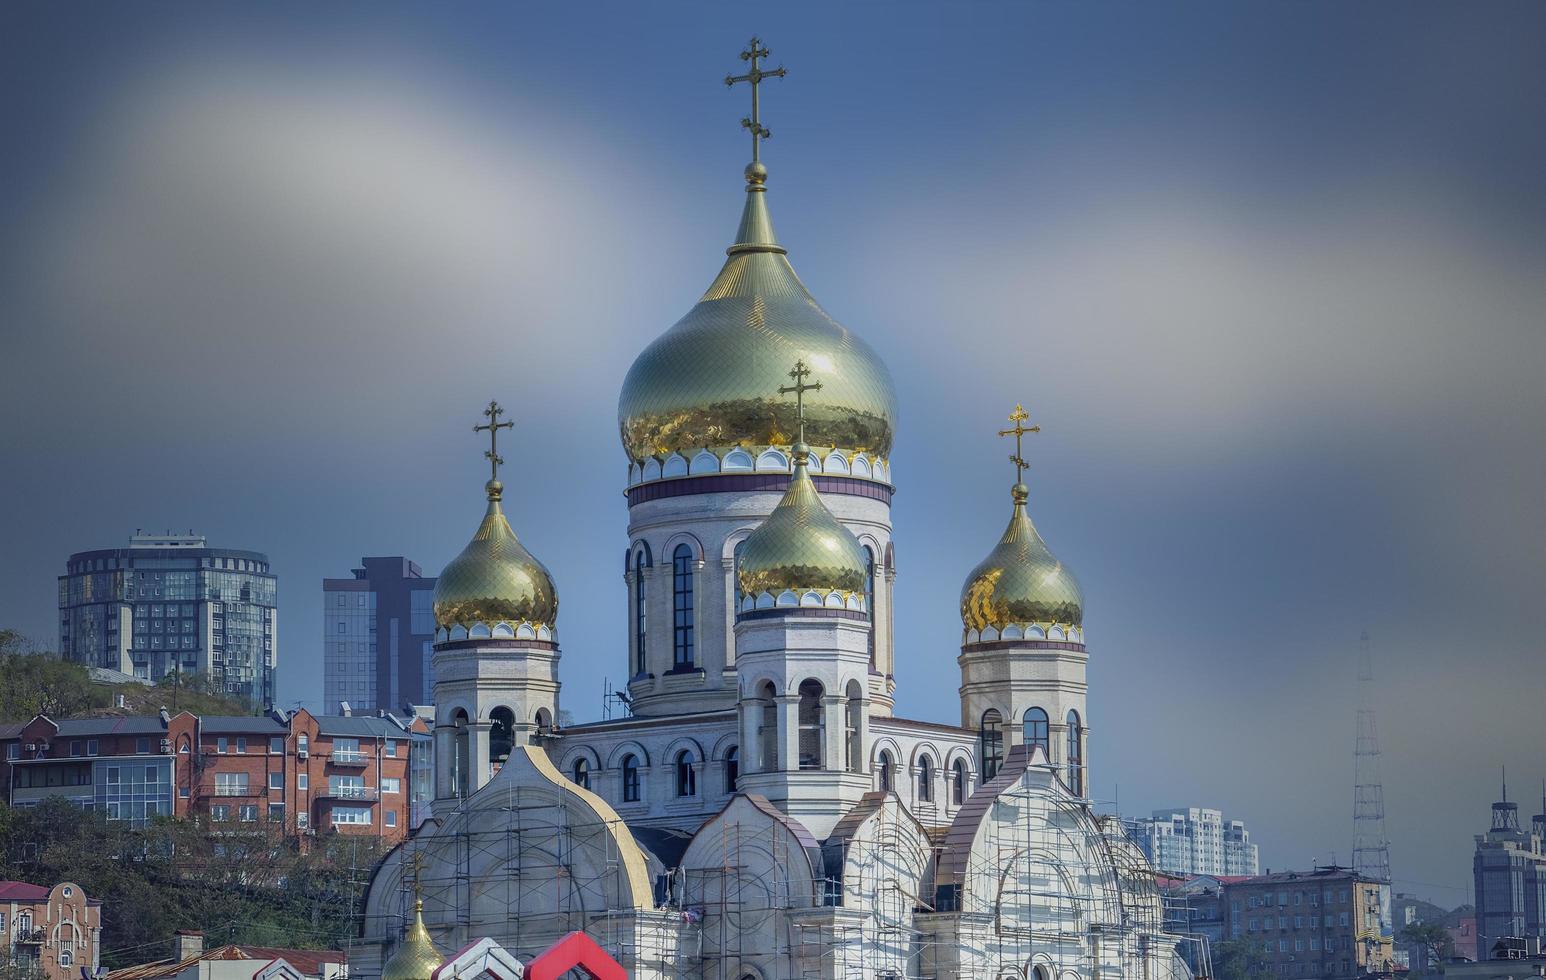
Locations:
(366, 793)
(31, 937)
(349, 757)
(228, 790)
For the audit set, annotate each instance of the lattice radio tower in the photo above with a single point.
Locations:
(1371, 851)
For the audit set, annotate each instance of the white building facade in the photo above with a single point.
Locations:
(1196, 841)
(763, 813)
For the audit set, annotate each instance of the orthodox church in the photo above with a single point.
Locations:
(762, 813)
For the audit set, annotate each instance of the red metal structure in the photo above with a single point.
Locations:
(575, 950)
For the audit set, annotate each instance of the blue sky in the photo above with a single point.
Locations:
(1269, 278)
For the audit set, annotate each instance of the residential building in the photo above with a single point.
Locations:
(1509, 867)
(190, 961)
(301, 772)
(1329, 924)
(169, 602)
(377, 631)
(1196, 841)
(52, 930)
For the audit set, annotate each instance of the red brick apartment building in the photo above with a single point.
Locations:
(53, 930)
(306, 773)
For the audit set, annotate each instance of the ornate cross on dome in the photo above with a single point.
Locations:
(1019, 416)
(799, 388)
(753, 54)
(416, 867)
(492, 428)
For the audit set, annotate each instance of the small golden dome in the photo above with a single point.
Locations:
(416, 958)
(495, 579)
(1021, 582)
(801, 547)
(710, 381)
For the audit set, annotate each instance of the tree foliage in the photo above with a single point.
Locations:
(1433, 939)
(42, 684)
(243, 884)
(1241, 959)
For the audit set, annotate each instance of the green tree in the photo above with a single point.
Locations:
(1242, 959)
(1434, 940)
(42, 684)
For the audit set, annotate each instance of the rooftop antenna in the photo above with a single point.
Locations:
(1371, 850)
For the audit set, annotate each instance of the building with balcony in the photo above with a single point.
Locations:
(1330, 923)
(50, 932)
(377, 631)
(172, 603)
(1196, 841)
(304, 773)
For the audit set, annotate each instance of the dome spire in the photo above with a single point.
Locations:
(495, 580)
(1021, 583)
(801, 547)
(756, 231)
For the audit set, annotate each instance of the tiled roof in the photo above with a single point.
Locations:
(359, 726)
(126, 725)
(21, 891)
(12, 729)
(308, 961)
(241, 724)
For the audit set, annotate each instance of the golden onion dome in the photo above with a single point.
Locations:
(711, 380)
(495, 579)
(416, 958)
(1021, 582)
(801, 547)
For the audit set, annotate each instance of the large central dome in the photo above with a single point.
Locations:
(711, 381)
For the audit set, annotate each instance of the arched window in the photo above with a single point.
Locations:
(582, 772)
(990, 744)
(639, 659)
(681, 604)
(460, 779)
(958, 782)
(732, 768)
(630, 778)
(501, 735)
(544, 721)
(1075, 754)
(885, 771)
(1038, 730)
(869, 597)
(686, 775)
(767, 732)
(812, 731)
(853, 742)
(735, 572)
(65, 959)
(925, 780)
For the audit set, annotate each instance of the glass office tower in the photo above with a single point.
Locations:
(170, 602)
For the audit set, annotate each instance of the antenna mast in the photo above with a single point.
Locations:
(1371, 851)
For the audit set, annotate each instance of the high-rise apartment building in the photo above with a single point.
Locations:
(1510, 871)
(377, 629)
(170, 602)
(1196, 841)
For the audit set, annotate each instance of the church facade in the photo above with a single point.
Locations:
(762, 812)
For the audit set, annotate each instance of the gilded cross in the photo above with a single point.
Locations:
(1019, 417)
(755, 53)
(416, 866)
(798, 389)
(493, 412)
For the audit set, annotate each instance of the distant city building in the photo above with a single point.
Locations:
(1510, 872)
(1329, 924)
(52, 933)
(1196, 841)
(305, 773)
(377, 630)
(169, 602)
